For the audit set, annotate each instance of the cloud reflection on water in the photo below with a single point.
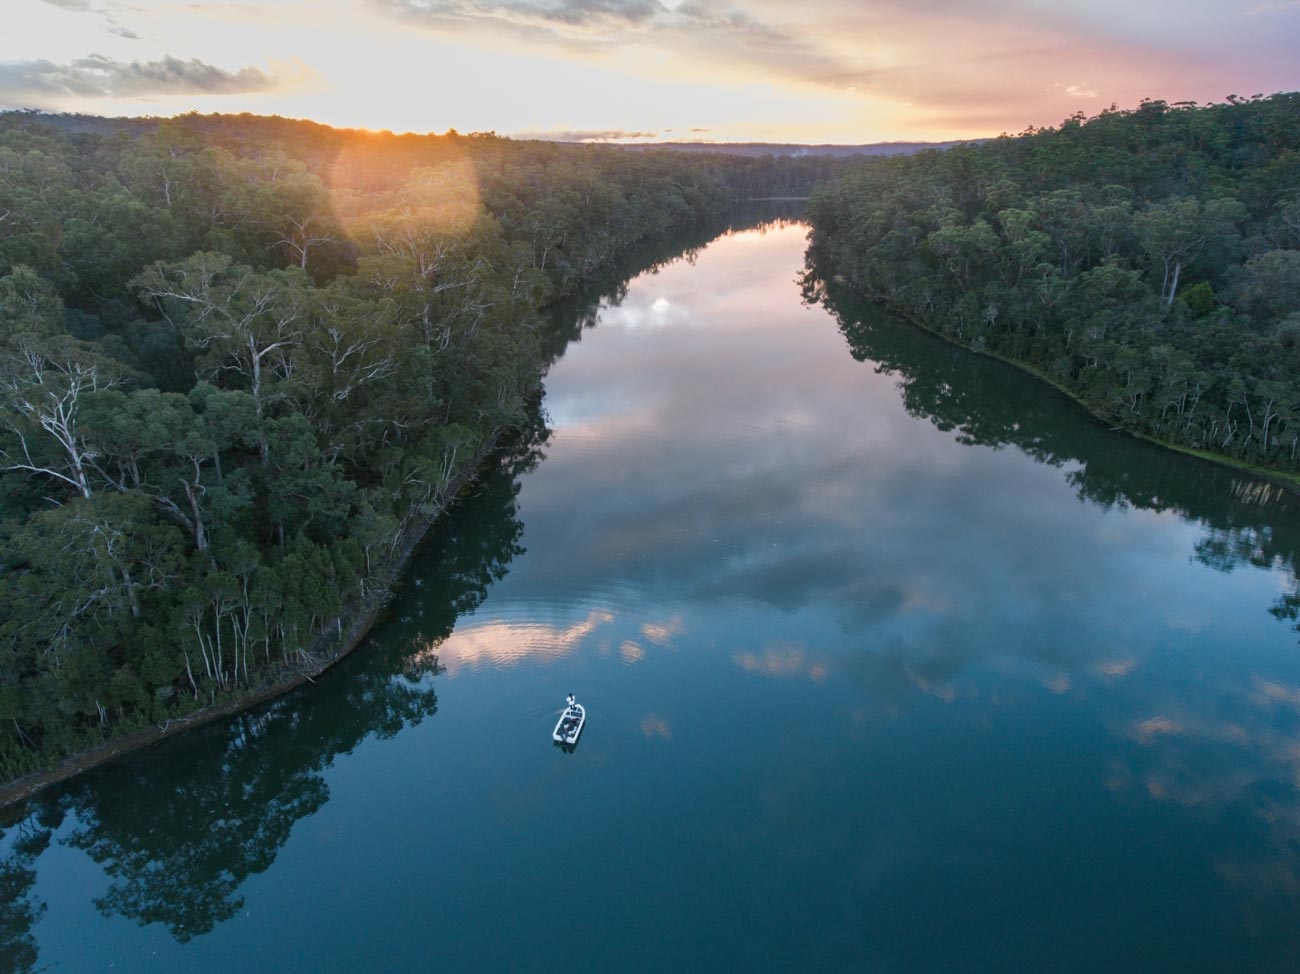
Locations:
(751, 494)
(503, 643)
(781, 660)
(745, 464)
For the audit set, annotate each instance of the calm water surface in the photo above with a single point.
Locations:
(893, 661)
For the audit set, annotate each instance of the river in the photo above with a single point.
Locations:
(894, 660)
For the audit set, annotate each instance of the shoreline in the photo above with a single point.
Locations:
(1278, 478)
(349, 635)
(354, 625)
(356, 622)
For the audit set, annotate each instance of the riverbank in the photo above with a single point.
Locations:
(350, 630)
(732, 517)
(356, 622)
(1284, 480)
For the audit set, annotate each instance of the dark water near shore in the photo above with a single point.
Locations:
(893, 660)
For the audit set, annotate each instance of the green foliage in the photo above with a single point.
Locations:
(1199, 299)
(242, 360)
(1147, 260)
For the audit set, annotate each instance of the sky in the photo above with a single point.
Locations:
(842, 71)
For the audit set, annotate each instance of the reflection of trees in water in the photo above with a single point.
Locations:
(19, 909)
(1224, 753)
(473, 548)
(1246, 521)
(178, 829)
(178, 834)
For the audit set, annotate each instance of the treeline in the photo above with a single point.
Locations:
(1242, 520)
(243, 361)
(1147, 260)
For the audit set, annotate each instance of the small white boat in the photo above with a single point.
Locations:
(569, 726)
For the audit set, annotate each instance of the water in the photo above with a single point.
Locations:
(893, 661)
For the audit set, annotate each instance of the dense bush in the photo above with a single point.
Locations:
(242, 362)
(1147, 260)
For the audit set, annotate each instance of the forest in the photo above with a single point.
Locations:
(245, 361)
(1145, 260)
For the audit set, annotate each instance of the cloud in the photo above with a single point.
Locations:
(722, 33)
(781, 660)
(662, 633)
(113, 27)
(585, 135)
(960, 66)
(1272, 8)
(957, 65)
(500, 643)
(103, 11)
(96, 76)
(1148, 730)
(563, 18)
(1114, 668)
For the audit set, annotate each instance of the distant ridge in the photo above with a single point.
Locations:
(81, 124)
(795, 150)
(96, 125)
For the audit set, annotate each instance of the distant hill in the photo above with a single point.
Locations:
(794, 150)
(80, 124)
(92, 124)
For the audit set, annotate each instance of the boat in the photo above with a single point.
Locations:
(569, 726)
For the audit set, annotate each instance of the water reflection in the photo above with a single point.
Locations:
(180, 828)
(1004, 559)
(500, 643)
(780, 660)
(1245, 521)
(787, 495)
(1221, 743)
(906, 686)
(19, 906)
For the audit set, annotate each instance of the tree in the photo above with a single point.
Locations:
(28, 305)
(295, 206)
(1175, 232)
(87, 572)
(1269, 286)
(45, 383)
(245, 323)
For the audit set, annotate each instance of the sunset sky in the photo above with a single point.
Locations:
(815, 71)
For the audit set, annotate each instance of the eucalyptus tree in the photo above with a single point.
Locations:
(347, 372)
(45, 383)
(245, 324)
(1146, 259)
(1175, 232)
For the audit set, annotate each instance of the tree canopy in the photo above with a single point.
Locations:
(244, 361)
(1146, 260)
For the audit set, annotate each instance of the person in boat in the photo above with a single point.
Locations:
(572, 701)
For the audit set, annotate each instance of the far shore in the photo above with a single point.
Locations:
(1282, 479)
